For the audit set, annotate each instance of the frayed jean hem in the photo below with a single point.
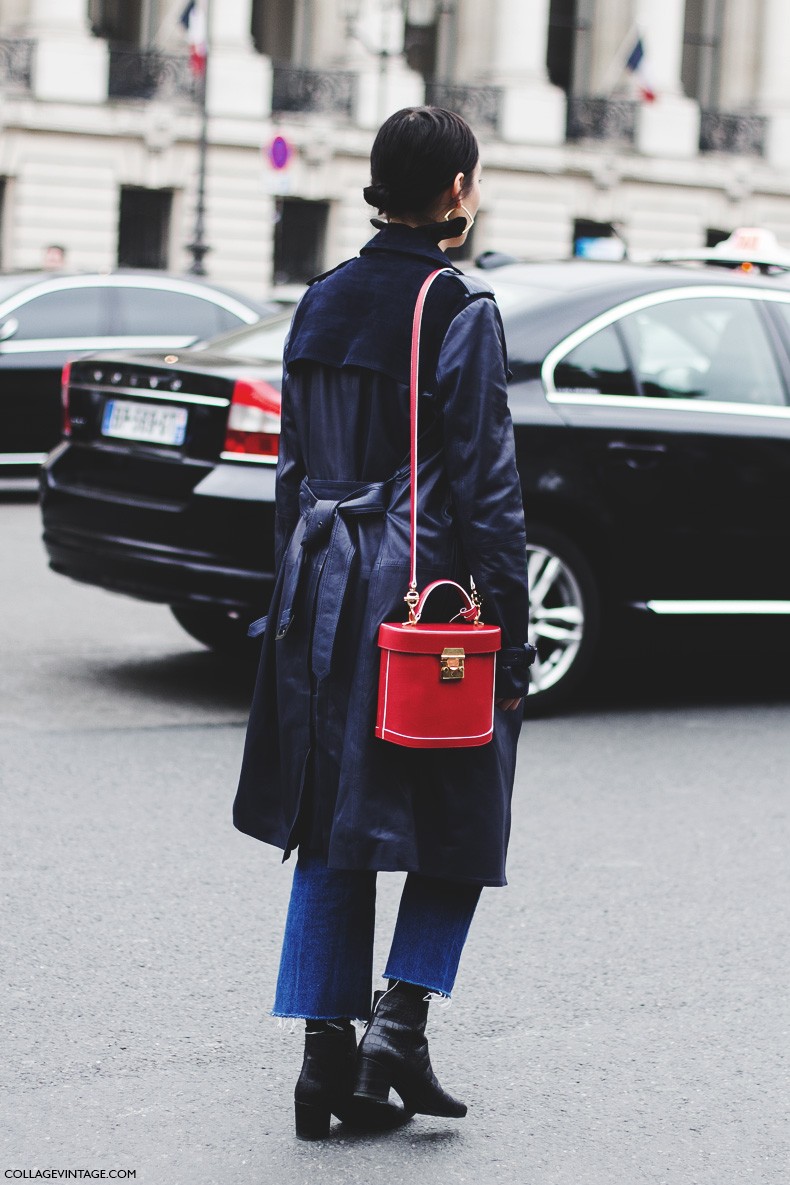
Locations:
(437, 991)
(305, 1016)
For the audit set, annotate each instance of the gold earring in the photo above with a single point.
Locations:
(470, 217)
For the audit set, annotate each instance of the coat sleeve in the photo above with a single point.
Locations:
(484, 481)
(290, 471)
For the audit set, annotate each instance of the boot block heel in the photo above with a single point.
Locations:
(373, 1081)
(312, 1120)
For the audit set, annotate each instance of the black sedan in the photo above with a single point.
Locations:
(47, 318)
(651, 407)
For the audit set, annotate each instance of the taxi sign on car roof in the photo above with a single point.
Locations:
(749, 248)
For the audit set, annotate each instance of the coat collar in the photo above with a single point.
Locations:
(419, 241)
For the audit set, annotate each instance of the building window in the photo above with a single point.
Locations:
(559, 50)
(568, 45)
(144, 227)
(714, 235)
(596, 240)
(299, 238)
(130, 23)
(2, 218)
(701, 64)
(420, 48)
(117, 21)
(272, 27)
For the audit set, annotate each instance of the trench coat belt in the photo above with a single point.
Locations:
(324, 508)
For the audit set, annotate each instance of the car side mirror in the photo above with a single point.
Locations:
(8, 328)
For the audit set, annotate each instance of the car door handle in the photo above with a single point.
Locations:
(635, 455)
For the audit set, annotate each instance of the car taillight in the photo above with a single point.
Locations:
(253, 432)
(64, 398)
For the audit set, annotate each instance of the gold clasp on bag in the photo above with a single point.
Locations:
(476, 599)
(451, 664)
(412, 599)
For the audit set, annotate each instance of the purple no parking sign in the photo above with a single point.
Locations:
(279, 152)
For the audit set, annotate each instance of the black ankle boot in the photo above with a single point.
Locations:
(394, 1053)
(326, 1083)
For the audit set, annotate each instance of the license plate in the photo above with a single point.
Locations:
(152, 422)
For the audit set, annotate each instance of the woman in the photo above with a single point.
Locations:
(314, 777)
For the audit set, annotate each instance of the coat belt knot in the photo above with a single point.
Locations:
(325, 506)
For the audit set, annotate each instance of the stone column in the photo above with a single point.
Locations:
(375, 54)
(773, 83)
(13, 16)
(239, 78)
(69, 65)
(533, 111)
(328, 41)
(607, 35)
(740, 57)
(474, 43)
(670, 125)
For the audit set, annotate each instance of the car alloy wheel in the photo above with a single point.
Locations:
(564, 617)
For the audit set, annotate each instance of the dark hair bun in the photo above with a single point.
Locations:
(377, 195)
(415, 157)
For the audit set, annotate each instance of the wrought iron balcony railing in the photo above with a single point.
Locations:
(148, 74)
(322, 92)
(742, 134)
(16, 62)
(481, 106)
(601, 119)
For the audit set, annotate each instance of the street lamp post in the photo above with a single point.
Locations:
(352, 10)
(198, 247)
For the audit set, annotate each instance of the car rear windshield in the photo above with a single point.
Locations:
(516, 297)
(264, 341)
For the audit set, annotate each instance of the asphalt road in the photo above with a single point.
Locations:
(622, 1010)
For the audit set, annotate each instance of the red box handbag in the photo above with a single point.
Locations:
(436, 681)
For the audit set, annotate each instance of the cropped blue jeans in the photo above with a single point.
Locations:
(326, 966)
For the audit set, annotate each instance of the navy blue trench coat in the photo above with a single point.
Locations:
(313, 772)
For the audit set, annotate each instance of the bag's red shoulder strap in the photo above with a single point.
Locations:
(414, 380)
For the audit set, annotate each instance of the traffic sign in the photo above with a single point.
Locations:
(279, 152)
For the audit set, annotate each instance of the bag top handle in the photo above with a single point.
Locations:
(470, 611)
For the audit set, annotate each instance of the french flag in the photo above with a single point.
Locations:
(635, 65)
(193, 19)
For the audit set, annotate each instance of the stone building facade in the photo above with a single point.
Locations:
(100, 119)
